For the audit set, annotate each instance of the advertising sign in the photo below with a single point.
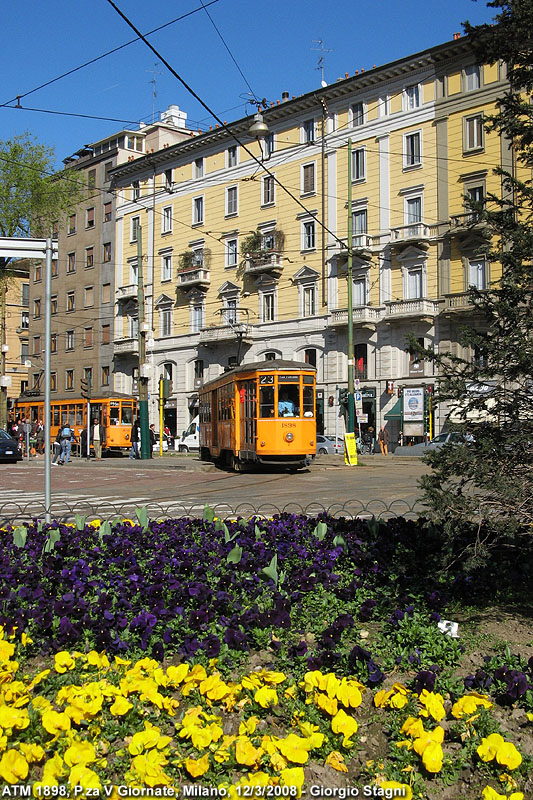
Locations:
(413, 404)
(350, 449)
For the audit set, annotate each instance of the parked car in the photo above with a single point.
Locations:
(190, 439)
(9, 448)
(327, 445)
(155, 446)
(452, 437)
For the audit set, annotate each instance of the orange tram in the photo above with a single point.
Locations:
(263, 413)
(115, 412)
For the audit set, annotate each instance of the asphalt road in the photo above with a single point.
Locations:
(181, 485)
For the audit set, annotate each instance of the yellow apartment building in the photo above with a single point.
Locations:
(244, 240)
(16, 323)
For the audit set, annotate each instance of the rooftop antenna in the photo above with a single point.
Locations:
(153, 82)
(323, 50)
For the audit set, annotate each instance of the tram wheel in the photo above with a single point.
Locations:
(236, 464)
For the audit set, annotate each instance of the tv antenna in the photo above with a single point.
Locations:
(155, 72)
(321, 49)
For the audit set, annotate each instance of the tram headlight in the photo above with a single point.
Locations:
(289, 437)
(263, 444)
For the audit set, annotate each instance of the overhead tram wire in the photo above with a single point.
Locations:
(108, 53)
(222, 124)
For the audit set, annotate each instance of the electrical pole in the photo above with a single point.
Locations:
(3, 347)
(351, 414)
(142, 381)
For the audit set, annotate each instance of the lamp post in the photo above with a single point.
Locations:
(351, 404)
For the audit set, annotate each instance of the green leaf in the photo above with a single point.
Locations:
(80, 522)
(243, 523)
(20, 534)
(228, 537)
(373, 526)
(258, 533)
(320, 531)
(272, 570)
(339, 541)
(235, 555)
(142, 516)
(40, 526)
(105, 530)
(209, 514)
(219, 524)
(53, 537)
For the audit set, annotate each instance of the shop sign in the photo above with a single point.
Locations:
(413, 404)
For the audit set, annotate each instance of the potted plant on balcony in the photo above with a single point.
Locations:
(194, 259)
(254, 247)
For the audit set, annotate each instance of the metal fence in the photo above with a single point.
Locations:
(16, 512)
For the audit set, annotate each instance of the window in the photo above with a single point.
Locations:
(310, 356)
(359, 164)
(53, 304)
(308, 131)
(383, 105)
(89, 218)
(197, 317)
(55, 229)
(198, 257)
(107, 252)
(69, 340)
(37, 272)
(136, 191)
(268, 313)
(25, 295)
(105, 376)
(89, 257)
(134, 272)
(166, 222)
(71, 262)
(36, 345)
(232, 256)
(71, 226)
(37, 379)
(55, 268)
(198, 370)
(165, 322)
(473, 133)
(358, 114)
(416, 362)
(359, 226)
(359, 291)
(477, 274)
(133, 327)
(230, 311)
(71, 301)
(412, 150)
(53, 381)
(472, 78)
(106, 334)
(198, 211)
(269, 145)
(412, 97)
(88, 336)
(413, 214)
(91, 179)
(106, 293)
(166, 267)
(231, 201)
(268, 196)
(168, 179)
(308, 235)
(37, 308)
(414, 283)
(308, 178)
(53, 342)
(135, 224)
(108, 211)
(270, 356)
(88, 299)
(199, 168)
(24, 320)
(308, 301)
(107, 169)
(69, 379)
(232, 156)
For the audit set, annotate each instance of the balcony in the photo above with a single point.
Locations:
(362, 245)
(193, 276)
(362, 316)
(457, 302)
(415, 233)
(417, 308)
(225, 333)
(460, 223)
(126, 346)
(263, 261)
(127, 292)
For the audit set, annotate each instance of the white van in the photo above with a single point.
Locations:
(190, 438)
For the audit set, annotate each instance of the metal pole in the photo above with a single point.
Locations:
(47, 347)
(160, 416)
(142, 381)
(323, 203)
(3, 345)
(351, 410)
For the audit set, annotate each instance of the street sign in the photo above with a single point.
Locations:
(358, 401)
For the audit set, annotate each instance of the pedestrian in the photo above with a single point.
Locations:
(153, 439)
(39, 437)
(83, 443)
(383, 439)
(67, 437)
(57, 448)
(134, 439)
(97, 438)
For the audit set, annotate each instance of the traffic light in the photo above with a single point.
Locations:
(86, 388)
(343, 397)
(400, 391)
(166, 388)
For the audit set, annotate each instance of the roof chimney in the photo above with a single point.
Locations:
(284, 97)
(457, 36)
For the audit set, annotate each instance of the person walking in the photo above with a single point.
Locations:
(97, 438)
(39, 437)
(134, 439)
(383, 439)
(57, 449)
(67, 436)
(153, 439)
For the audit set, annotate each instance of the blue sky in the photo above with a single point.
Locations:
(272, 42)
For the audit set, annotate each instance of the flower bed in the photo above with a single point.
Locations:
(285, 653)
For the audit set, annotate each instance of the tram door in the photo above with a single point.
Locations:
(248, 422)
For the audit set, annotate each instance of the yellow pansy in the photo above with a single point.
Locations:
(491, 794)
(343, 723)
(327, 704)
(336, 760)
(17, 718)
(80, 753)
(80, 775)
(489, 746)
(293, 776)
(120, 707)
(311, 733)
(13, 766)
(432, 757)
(246, 753)
(197, 767)
(248, 726)
(147, 739)
(402, 790)
(266, 697)
(33, 753)
(294, 748)
(468, 705)
(6, 650)
(98, 660)
(38, 679)
(63, 662)
(55, 723)
(508, 756)
(25, 639)
(413, 726)
(429, 737)
(349, 692)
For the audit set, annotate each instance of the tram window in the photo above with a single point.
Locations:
(113, 416)
(266, 401)
(289, 401)
(64, 415)
(309, 406)
(127, 415)
(79, 415)
(55, 412)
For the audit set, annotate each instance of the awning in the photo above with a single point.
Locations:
(396, 410)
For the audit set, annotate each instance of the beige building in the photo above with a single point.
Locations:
(16, 330)
(244, 241)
